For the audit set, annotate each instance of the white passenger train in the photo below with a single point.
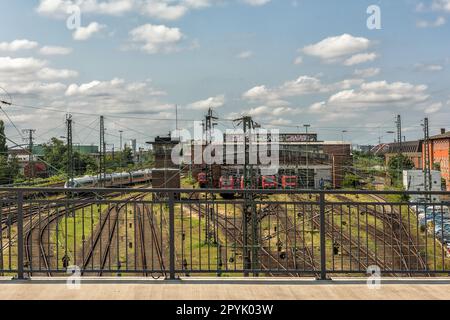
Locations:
(112, 180)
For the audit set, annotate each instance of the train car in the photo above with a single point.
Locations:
(202, 180)
(111, 180)
(84, 182)
(227, 183)
(269, 182)
(121, 179)
(141, 176)
(289, 182)
(107, 181)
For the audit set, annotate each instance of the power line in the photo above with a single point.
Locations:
(122, 116)
(13, 124)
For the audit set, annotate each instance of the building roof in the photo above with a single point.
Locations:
(441, 136)
(406, 147)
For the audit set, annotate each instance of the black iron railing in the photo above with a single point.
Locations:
(170, 233)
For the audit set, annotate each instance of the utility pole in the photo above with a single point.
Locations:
(307, 126)
(70, 171)
(209, 127)
(399, 145)
(102, 149)
(249, 212)
(30, 138)
(427, 162)
(121, 140)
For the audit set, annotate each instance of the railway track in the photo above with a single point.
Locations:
(146, 242)
(404, 236)
(347, 242)
(37, 233)
(394, 236)
(293, 240)
(233, 232)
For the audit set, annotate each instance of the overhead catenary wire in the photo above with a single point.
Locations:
(12, 122)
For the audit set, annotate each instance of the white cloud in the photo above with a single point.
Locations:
(53, 51)
(280, 122)
(303, 85)
(360, 58)
(244, 55)
(59, 8)
(380, 94)
(298, 60)
(20, 66)
(94, 88)
(265, 111)
(367, 73)
(115, 87)
(52, 74)
(428, 67)
(156, 38)
(441, 5)
(256, 2)
(17, 45)
(163, 10)
(212, 102)
(433, 108)
(333, 49)
(440, 21)
(270, 97)
(159, 9)
(84, 33)
(35, 88)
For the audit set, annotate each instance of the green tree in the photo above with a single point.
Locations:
(351, 181)
(127, 157)
(3, 146)
(396, 165)
(55, 154)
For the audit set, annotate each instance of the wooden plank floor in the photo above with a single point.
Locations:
(229, 289)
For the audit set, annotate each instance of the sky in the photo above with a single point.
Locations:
(284, 62)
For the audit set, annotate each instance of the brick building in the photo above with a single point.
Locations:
(439, 155)
(410, 149)
(340, 157)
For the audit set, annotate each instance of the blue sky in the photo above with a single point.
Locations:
(284, 62)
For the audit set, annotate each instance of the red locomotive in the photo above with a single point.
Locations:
(269, 182)
(227, 183)
(289, 182)
(273, 182)
(202, 180)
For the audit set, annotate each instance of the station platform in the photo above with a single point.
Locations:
(224, 289)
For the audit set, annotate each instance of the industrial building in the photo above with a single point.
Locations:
(439, 146)
(410, 149)
(316, 163)
(166, 174)
(414, 180)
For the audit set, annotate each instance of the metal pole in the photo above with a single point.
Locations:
(323, 248)
(20, 243)
(172, 235)
(307, 155)
(70, 167)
